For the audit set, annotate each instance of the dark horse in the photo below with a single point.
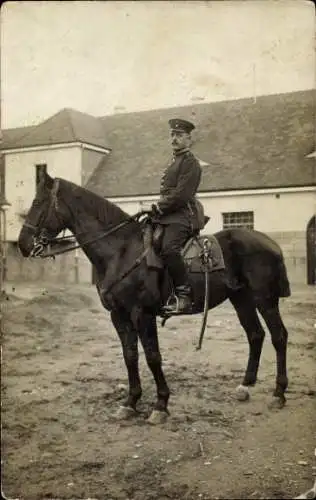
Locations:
(133, 293)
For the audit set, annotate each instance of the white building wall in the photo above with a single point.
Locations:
(274, 211)
(20, 177)
(282, 214)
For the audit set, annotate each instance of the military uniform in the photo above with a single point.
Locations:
(179, 212)
(179, 185)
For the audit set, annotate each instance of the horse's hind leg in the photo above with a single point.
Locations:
(149, 338)
(279, 335)
(129, 341)
(249, 320)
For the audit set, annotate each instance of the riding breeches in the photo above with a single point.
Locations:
(173, 240)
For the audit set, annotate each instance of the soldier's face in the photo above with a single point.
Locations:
(179, 140)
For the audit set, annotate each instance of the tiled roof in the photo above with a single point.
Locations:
(68, 125)
(246, 144)
(13, 135)
(243, 143)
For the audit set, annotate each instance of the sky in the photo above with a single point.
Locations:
(107, 57)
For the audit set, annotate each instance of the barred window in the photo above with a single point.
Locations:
(238, 219)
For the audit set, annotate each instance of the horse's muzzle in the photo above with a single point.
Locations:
(26, 241)
(30, 245)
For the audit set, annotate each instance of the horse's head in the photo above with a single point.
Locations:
(44, 220)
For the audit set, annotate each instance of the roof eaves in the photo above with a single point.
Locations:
(34, 145)
(10, 147)
(311, 155)
(105, 148)
(259, 187)
(222, 190)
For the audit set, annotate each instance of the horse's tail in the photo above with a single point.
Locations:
(283, 284)
(259, 262)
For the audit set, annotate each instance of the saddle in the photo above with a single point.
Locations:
(192, 252)
(200, 254)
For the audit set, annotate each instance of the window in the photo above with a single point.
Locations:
(40, 171)
(238, 219)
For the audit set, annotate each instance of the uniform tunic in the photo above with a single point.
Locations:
(179, 185)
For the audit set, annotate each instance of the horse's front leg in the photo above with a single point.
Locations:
(149, 339)
(129, 341)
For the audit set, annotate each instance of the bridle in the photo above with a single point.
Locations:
(43, 240)
(52, 205)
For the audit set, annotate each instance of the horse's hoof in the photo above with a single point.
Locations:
(277, 403)
(125, 413)
(157, 417)
(242, 393)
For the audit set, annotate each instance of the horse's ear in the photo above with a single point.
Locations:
(48, 181)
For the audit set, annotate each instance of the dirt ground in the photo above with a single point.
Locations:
(63, 378)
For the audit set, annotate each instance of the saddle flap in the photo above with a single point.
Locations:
(151, 238)
(193, 250)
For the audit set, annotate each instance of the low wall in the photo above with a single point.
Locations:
(66, 268)
(293, 245)
(69, 269)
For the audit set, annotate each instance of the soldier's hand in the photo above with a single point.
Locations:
(155, 210)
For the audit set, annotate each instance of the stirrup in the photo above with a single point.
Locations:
(174, 303)
(171, 299)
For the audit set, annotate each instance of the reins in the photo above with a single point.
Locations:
(112, 230)
(133, 218)
(54, 205)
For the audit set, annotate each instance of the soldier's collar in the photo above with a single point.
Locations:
(181, 151)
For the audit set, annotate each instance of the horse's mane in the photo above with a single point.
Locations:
(103, 209)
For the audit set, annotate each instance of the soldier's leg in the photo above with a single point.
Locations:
(173, 241)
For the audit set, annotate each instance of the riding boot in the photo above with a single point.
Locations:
(182, 303)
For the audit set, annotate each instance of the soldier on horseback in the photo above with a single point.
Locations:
(178, 211)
